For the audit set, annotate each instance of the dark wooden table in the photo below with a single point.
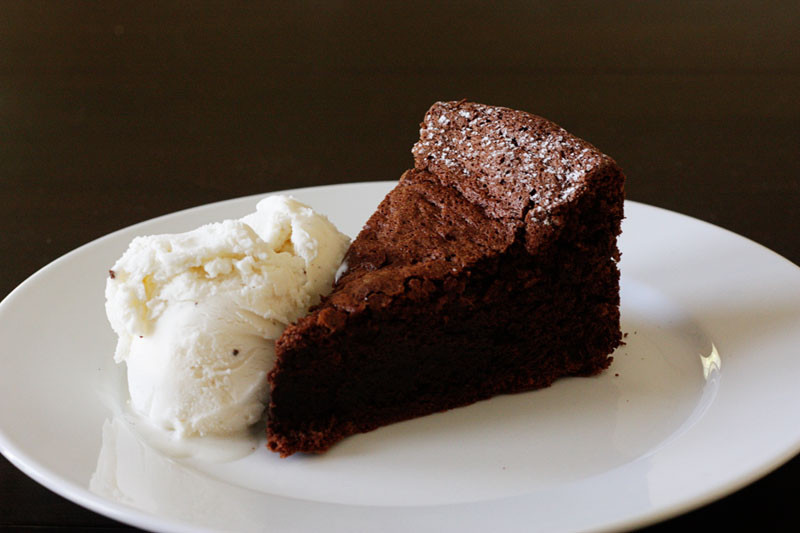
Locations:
(112, 114)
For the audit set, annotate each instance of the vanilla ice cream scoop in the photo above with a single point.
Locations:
(197, 313)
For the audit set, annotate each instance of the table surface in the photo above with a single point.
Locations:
(113, 114)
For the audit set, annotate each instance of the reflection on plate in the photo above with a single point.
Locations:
(693, 407)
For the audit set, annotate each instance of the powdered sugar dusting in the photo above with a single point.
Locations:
(513, 156)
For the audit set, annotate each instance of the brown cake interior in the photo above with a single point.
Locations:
(490, 268)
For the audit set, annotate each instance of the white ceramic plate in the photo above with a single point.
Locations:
(701, 401)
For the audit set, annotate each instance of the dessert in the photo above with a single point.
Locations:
(491, 268)
(197, 313)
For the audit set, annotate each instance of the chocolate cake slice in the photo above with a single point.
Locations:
(491, 268)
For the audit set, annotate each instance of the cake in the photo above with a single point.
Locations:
(491, 268)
